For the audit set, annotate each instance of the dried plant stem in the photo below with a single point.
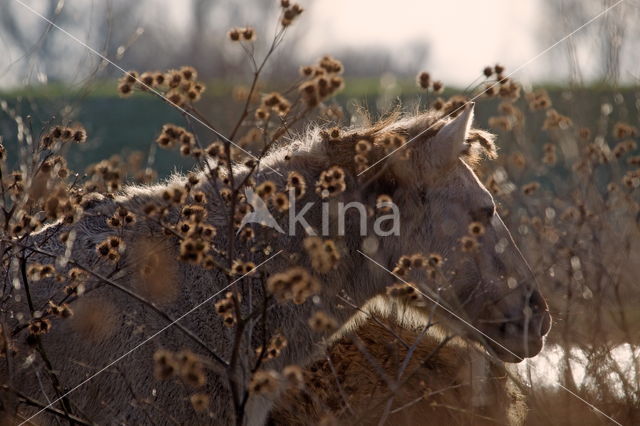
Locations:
(55, 381)
(136, 296)
(40, 405)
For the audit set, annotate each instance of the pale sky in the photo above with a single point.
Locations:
(465, 35)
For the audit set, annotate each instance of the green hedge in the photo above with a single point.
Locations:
(118, 126)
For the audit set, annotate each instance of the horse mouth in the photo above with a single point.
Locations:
(516, 350)
(513, 341)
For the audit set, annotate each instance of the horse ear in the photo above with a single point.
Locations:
(449, 143)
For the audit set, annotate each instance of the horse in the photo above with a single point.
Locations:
(391, 363)
(147, 313)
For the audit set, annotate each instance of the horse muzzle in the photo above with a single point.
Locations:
(517, 339)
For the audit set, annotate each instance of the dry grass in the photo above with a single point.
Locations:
(568, 190)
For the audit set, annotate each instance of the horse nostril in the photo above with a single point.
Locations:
(503, 328)
(537, 302)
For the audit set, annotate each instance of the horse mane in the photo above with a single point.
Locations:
(449, 372)
(336, 146)
(318, 146)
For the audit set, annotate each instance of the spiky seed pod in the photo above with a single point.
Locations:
(468, 244)
(476, 229)
(424, 80)
(234, 34)
(265, 382)
(321, 322)
(248, 34)
(294, 285)
(39, 326)
(530, 188)
(199, 402)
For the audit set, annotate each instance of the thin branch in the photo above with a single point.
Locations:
(55, 381)
(34, 403)
(136, 296)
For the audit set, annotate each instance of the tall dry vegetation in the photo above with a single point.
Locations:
(568, 191)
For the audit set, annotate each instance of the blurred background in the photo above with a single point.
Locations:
(382, 46)
(454, 40)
